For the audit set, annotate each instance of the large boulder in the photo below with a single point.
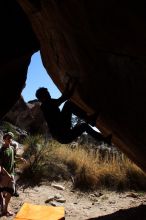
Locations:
(28, 116)
(102, 43)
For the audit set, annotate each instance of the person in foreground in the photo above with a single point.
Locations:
(7, 180)
(59, 121)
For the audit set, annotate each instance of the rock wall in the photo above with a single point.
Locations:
(102, 43)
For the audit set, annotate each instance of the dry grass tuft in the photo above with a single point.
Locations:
(85, 168)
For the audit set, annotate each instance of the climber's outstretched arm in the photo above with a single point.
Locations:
(68, 92)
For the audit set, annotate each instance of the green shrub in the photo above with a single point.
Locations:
(8, 127)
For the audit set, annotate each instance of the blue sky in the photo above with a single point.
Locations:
(38, 77)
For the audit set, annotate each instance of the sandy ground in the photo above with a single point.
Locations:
(79, 205)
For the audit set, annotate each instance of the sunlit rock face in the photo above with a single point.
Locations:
(103, 45)
(28, 116)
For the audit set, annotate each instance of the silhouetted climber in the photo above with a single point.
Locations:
(59, 121)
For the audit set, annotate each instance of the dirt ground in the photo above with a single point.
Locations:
(81, 206)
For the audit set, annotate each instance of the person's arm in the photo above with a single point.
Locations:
(14, 144)
(0, 162)
(3, 171)
(68, 92)
(19, 158)
(60, 100)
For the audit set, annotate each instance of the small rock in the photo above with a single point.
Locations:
(49, 199)
(112, 202)
(87, 207)
(57, 196)
(53, 203)
(62, 200)
(133, 195)
(98, 194)
(58, 186)
(102, 208)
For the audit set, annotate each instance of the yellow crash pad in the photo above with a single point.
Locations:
(38, 212)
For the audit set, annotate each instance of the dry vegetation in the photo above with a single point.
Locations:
(86, 168)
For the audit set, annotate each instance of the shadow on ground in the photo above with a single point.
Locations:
(137, 213)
